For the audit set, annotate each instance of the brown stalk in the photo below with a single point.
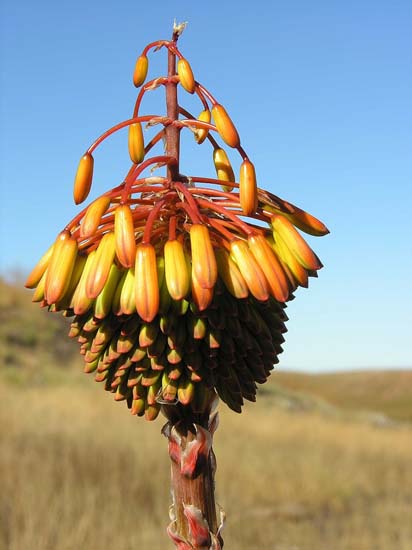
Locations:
(194, 523)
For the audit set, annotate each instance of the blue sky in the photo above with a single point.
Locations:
(321, 94)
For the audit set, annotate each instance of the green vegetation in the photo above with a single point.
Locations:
(78, 471)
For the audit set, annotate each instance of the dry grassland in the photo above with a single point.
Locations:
(78, 472)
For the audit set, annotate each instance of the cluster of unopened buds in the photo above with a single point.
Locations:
(178, 284)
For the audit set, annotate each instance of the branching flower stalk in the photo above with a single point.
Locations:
(177, 284)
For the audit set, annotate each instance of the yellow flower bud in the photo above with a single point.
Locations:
(187, 80)
(224, 170)
(136, 142)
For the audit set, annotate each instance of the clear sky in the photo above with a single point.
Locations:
(321, 93)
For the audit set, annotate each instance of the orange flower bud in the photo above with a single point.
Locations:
(93, 216)
(61, 266)
(224, 170)
(204, 265)
(250, 270)
(136, 142)
(295, 242)
(271, 267)
(83, 179)
(225, 126)
(187, 80)
(176, 270)
(38, 271)
(124, 235)
(202, 297)
(147, 287)
(248, 188)
(201, 133)
(140, 70)
(296, 273)
(100, 268)
(230, 274)
(306, 222)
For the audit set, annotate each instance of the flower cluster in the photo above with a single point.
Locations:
(178, 284)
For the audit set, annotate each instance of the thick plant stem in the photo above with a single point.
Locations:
(172, 132)
(194, 524)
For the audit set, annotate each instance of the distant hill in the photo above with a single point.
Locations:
(386, 391)
(32, 340)
(29, 335)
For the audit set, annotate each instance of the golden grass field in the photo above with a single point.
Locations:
(296, 471)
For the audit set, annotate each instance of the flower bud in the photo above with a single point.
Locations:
(140, 70)
(176, 270)
(203, 257)
(248, 188)
(284, 229)
(124, 235)
(38, 271)
(272, 269)
(136, 142)
(230, 274)
(93, 216)
(224, 170)
(201, 133)
(100, 268)
(250, 270)
(225, 126)
(185, 73)
(147, 287)
(60, 268)
(83, 179)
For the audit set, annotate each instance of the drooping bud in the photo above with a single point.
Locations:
(202, 297)
(284, 229)
(80, 302)
(224, 170)
(187, 80)
(230, 274)
(136, 142)
(124, 235)
(140, 70)
(225, 126)
(38, 294)
(250, 270)
(128, 295)
(64, 302)
(201, 133)
(306, 222)
(100, 268)
(93, 216)
(248, 188)
(176, 270)
(296, 273)
(38, 271)
(147, 287)
(60, 268)
(204, 265)
(104, 300)
(272, 269)
(185, 390)
(83, 179)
